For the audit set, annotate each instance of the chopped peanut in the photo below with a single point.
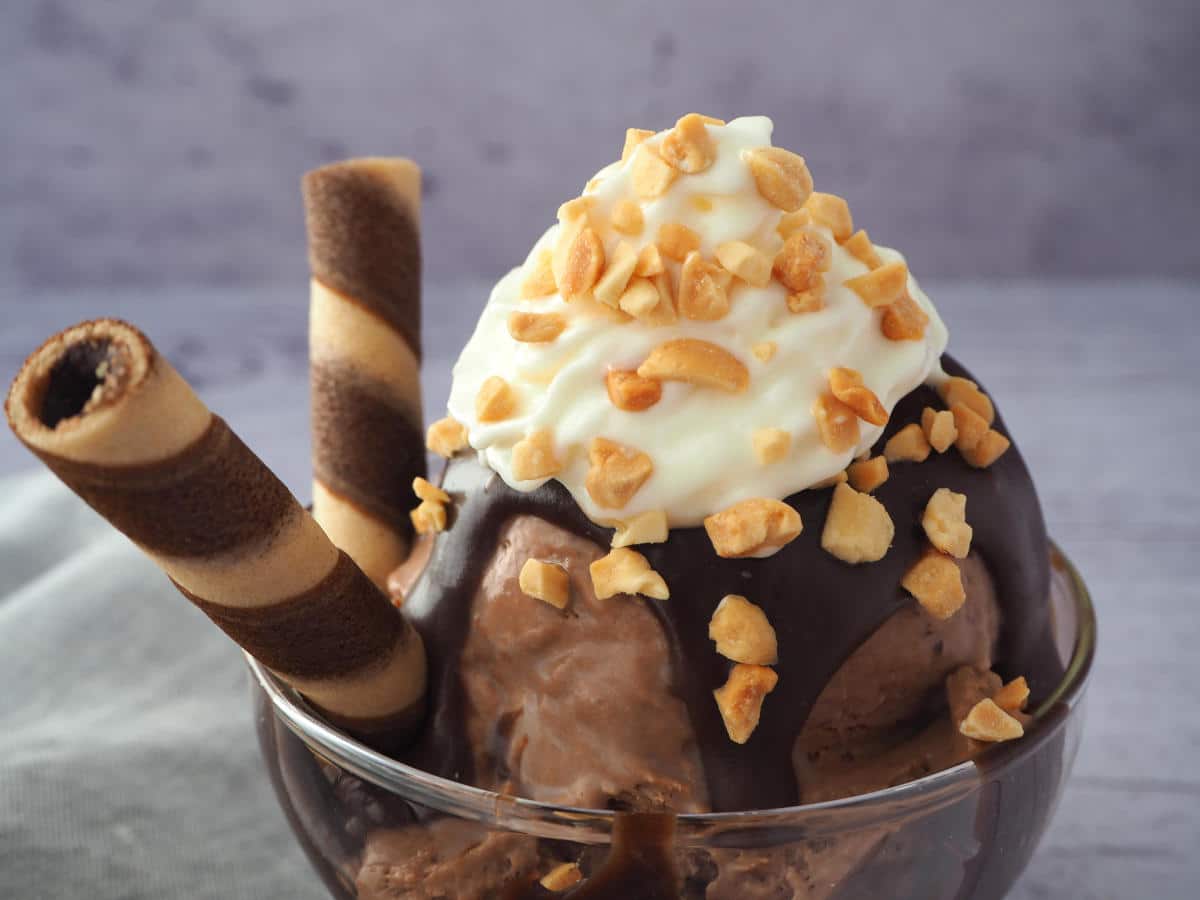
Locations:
(1013, 696)
(535, 328)
(756, 527)
(579, 207)
(612, 283)
(562, 877)
(633, 139)
(860, 247)
(740, 699)
(904, 320)
(429, 517)
(540, 280)
(745, 262)
(578, 259)
(868, 474)
(688, 146)
(907, 445)
(990, 448)
(630, 391)
(988, 722)
(446, 437)
(625, 571)
(617, 472)
(496, 400)
(771, 445)
(837, 423)
(664, 311)
(800, 261)
(702, 289)
(640, 298)
(676, 241)
(831, 211)
(696, 362)
(645, 528)
(811, 300)
(764, 351)
(939, 428)
(882, 286)
(649, 262)
(847, 385)
(970, 425)
(545, 581)
(627, 218)
(936, 583)
(533, 456)
(857, 527)
(427, 491)
(781, 176)
(967, 392)
(651, 175)
(790, 223)
(742, 633)
(945, 523)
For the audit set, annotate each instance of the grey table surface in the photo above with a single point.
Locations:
(1098, 382)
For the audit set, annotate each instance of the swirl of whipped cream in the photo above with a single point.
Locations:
(699, 439)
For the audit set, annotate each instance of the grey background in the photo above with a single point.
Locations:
(157, 142)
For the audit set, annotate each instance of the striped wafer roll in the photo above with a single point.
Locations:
(364, 343)
(122, 429)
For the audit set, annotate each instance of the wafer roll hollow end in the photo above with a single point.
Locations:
(115, 422)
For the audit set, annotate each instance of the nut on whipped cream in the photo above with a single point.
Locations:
(699, 329)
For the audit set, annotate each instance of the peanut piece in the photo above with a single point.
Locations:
(811, 300)
(649, 262)
(545, 581)
(742, 633)
(907, 445)
(616, 472)
(837, 423)
(496, 400)
(939, 428)
(640, 298)
(831, 211)
(800, 261)
(967, 392)
(533, 456)
(540, 280)
(904, 320)
(790, 223)
(535, 328)
(970, 425)
(578, 259)
(755, 527)
(446, 437)
(625, 571)
(740, 699)
(698, 363)
(427, 491)
(630, 391)
(612, 283)
(688, 146)
(771, 445)
(764, 351)
(847, 385)
(633, 139)
(867, 474)
(882, 286)
(988, 722)
(578, 207)
(645, 528)
(627, 218)
(561, 877)
(990, 448)
(857, 527)
(945, 523)
(745, 262)
(676, 241)
(429, 517)
(936, 583)
(860, 247)
(702, 292)
(651, 176)
(781, 176)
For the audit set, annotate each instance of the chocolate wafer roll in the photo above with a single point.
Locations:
(111, 418)
(364, 343)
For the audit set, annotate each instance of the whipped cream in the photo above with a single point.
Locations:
(699, 439)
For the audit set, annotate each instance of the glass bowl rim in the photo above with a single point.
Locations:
(594, 825)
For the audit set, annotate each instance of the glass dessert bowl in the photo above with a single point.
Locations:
(376, 828)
